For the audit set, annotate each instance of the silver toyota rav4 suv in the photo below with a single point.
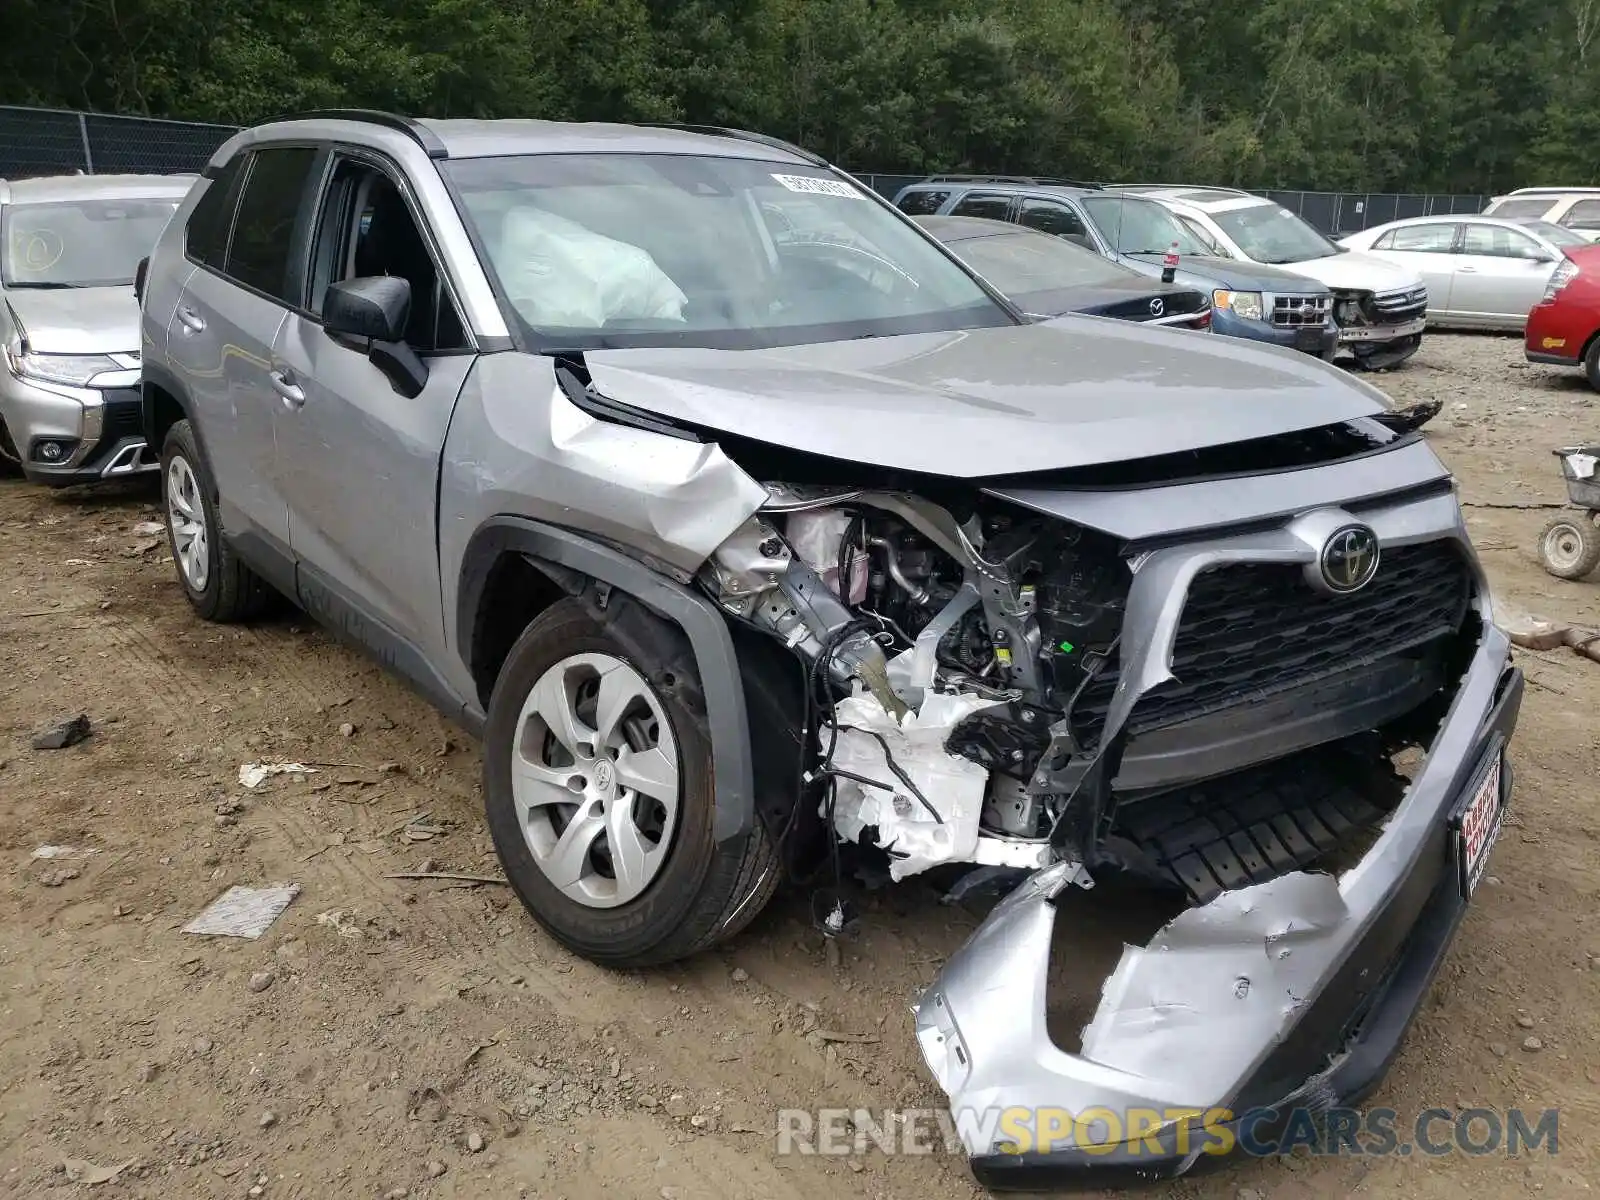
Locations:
(69, 323)
(755, 553)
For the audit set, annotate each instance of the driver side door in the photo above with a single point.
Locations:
(359, 461)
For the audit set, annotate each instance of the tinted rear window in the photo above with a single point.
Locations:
(206, 236)
(259, 254)
(922, 204)
(982, 204)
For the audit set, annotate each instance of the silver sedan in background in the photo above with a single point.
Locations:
(1481, 272)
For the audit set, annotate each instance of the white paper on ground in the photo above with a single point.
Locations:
(953, 786)
(244, 912)
(254, 774)
(60, 852)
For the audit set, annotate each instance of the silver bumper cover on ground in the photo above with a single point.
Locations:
(1293, 992)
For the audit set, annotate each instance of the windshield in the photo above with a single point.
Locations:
(79, 243)
(1556, 235)
(1140, 226)
(1270, 233)
(1023, 262)
(614, 250)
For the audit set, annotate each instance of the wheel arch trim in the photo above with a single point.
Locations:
(716, 658)
(157, 376)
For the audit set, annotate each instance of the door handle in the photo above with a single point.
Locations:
(191, 320)
(1467, 270)
(293, 395)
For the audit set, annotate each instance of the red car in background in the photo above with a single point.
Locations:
(1564, 327)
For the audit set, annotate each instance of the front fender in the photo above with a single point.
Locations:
(716, 660)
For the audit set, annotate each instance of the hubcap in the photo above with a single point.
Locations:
(1563, 546)
(186, 516)
(594, 776)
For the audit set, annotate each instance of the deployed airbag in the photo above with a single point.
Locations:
(560, 274)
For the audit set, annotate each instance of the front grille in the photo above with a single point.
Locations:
(1298, 312)
(1250, 630)
(124, 415)
(1393, 308)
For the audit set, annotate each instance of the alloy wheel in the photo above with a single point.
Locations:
(186, 515)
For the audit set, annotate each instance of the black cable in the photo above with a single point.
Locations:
(899, 774)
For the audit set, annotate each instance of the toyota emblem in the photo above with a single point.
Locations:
(1157, 307)
(1349, 559)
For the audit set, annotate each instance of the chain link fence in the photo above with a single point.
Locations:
(47, 141)
(1336, 214)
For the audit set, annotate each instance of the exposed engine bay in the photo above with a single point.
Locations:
(963, 682)
(960, 640)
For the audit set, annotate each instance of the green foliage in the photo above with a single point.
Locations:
(1468, 95)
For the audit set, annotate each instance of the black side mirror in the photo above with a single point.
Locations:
(377, 307)
(375, 310)
(140, 273)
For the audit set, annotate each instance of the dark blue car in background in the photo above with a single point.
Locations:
(1249, 300)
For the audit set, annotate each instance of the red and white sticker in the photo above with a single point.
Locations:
(810, 185)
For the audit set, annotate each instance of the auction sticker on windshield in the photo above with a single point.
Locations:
(1478, 825)
(818, 187)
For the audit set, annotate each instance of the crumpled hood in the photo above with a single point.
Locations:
(1209, 271)
(985, 402)
(102, 320)
(1359, 271)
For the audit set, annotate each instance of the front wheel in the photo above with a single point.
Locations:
(599, 788)
(1569, 547)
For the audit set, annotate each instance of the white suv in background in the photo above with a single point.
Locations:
(1380, 308)
(1576, 208)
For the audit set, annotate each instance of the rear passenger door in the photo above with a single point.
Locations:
(359, 461)
(1059, 218)
(1500, 273)
(241, 237)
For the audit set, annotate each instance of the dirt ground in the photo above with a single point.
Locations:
(392, 1034)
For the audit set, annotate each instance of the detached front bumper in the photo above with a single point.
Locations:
(1293, 994)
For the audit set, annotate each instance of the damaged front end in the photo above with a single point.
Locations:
(1207, 674)
(1381, 329)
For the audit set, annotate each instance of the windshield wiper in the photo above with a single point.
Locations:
(44, 285)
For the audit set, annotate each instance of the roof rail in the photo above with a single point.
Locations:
(1182, 187)
(1551, 191)
(743, 135)
(1035, 180)
(415, 130)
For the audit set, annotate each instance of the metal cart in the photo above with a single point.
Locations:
(1569, 547)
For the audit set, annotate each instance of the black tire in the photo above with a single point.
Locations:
(705, 891)
(10, 457)
(1569, 546)
(1591, 364)
(232, 591)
